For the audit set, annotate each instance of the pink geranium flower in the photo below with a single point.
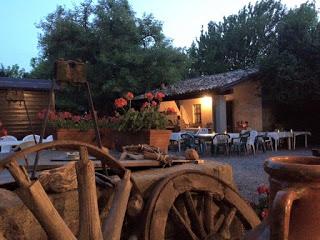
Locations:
(120, 102)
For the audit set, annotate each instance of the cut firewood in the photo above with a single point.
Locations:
(191, 154)
(60, 179)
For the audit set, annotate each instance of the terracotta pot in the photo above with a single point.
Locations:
(294, 199)
(154, 137)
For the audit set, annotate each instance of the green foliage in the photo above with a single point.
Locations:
(13, 71)
(291, 72)
(122, 51)
(285, 44)
(239, 41)
(147, 118)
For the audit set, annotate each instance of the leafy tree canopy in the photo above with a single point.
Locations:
(284, 44)
(239, 41)
(123, 52)
(12, 71)
(291, 72)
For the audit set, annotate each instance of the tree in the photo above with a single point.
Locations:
(122, 52)
(14, 71)
(239, 41)
(291, 72)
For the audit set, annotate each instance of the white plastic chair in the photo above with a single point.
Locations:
(49, 139)
(29, 138)
(8, 148)
(251, 141)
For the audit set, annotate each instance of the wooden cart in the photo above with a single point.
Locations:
(186, 201)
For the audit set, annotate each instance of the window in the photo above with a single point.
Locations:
(197, 113)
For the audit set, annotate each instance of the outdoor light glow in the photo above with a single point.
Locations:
(206, 101)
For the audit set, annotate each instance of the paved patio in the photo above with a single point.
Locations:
(247, 169)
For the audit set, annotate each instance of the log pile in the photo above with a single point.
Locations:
(144, 151)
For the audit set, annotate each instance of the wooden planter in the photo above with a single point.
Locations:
(154, 137)
(76, 135)
(114, 139)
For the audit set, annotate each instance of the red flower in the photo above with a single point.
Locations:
(40, 115)
(129, 96)
(265, 213)
(87, 117)
(64, 115)
(120, 102)
(263, 189)
(159, 96)
(67, 115)
(170, 110)
(4, 132)
(76, 118)
(154, 104)
(52, 116)
(149, 96)
(145, 105)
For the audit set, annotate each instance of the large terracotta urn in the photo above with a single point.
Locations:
(294, 199)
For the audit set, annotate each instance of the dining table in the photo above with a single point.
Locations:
(276, 136)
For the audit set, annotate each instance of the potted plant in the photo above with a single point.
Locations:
(144, 126)
(67, 126)
(127, 127)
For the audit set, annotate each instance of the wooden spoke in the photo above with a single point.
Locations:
(219, 223)
(225, 230)
(208, 213)
(182, 223)
(19, 173)
(89, 227)
(194, 217)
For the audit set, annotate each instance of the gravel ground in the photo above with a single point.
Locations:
(248, 172)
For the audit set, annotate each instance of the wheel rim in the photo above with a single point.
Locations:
(178, 203)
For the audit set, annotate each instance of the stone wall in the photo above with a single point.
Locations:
(247, 105)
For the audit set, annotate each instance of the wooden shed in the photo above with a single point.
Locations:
(13, 113)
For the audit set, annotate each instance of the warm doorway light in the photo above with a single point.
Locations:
(206, 101)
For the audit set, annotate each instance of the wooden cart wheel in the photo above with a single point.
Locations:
(36, 199)
(193, 205)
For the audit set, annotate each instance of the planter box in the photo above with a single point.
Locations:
(113, 139)
(76, 135)
(154, 137)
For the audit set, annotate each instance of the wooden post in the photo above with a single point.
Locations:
(112, 225)
(89, 227)
(43, 130)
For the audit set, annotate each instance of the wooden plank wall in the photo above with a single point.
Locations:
(13, 114)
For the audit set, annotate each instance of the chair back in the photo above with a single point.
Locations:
(8, 148)
(188, 140)
(202, 131)
(49, 138)
(8, 138)
(221, 138)
(244, 136)
(252, 137)
(29, 138)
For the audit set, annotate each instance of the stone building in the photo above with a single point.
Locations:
(223, 102)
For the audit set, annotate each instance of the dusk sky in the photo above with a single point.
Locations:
(182, 21)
